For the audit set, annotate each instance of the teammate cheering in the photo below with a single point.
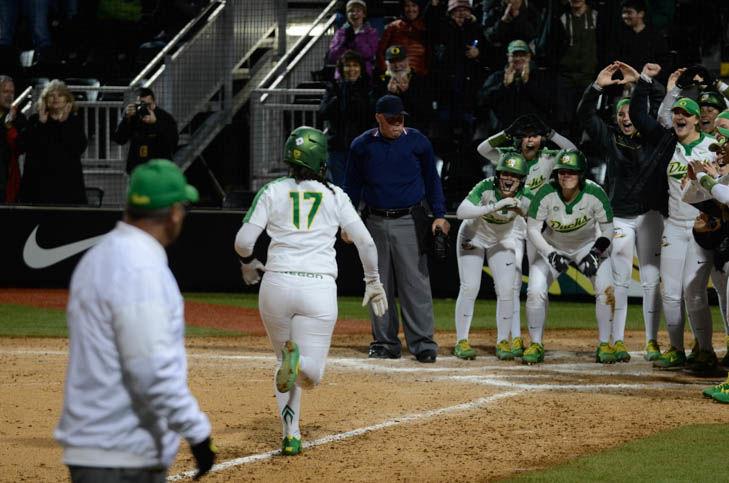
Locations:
(298, 296)
(572, 209)
(637, 203)
(490, 210)
(527, 135)
(681, 257)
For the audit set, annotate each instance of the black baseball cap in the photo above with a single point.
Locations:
(390, 105)
(396, 53)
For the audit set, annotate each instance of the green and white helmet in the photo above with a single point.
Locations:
(512, 162)
(307, 147)
(571, 159)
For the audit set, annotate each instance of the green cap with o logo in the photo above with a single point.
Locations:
(157, 184)
(517, 46)
(687, 105)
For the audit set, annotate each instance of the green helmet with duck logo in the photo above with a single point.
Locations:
(512, 162)
(571, 159)
(307, 147)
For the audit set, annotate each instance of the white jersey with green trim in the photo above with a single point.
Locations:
(302, 220)
(496, 226)
(698, 150)
(571, 226)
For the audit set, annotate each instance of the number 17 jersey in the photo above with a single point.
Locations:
(302, 220)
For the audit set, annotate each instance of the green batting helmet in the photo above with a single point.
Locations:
(571, 159)
(512, 162)
(307, 147)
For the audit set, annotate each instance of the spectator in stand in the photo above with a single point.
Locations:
(507, 20)
(400, 80)
(516, 90)
(456, 68)
(640, 43)
(36, 13)
(409, 32)
(12, 122)
(150, 130)
(346, 108)
(54, 141)
(357, 35)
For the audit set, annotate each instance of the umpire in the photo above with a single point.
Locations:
(392, 169)
(126, 399)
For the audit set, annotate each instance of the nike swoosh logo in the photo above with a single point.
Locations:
(36, 256)
(509, 264)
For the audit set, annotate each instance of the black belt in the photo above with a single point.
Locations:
(399, 213)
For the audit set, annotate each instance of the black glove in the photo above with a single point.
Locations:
(349, 36)
(687, 78)
(441, 245)
(528, 125)
(558, 262)
(590, 262)
(204, 453)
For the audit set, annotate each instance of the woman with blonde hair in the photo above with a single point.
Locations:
(54, 141)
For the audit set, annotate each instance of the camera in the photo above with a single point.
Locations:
(142, 109)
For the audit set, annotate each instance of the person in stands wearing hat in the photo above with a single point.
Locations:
(402, 81)
(507, 20)
(516, 90)
(682, 259)
(126, 398)
(356, 34)
(407, 31)
(391, 169)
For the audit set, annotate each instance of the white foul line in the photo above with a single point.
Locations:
(475, 404)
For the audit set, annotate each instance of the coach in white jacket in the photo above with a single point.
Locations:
(126, 400)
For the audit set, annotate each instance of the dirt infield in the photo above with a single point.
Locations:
(379, 420)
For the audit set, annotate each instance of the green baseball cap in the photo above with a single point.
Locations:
(723, 115)
(157, 184)
(712, 99)
(721, 140)
(517, 46)
(622, 102)
(687, 105)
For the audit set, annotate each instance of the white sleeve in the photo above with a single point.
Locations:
(720, 192)
(347, 213)
(534, 232)
(606, 230)
(152, 358)
(468, 210)
(488, 151)
(562, 141)
(246, 238)
(365, 247)
(664, 111)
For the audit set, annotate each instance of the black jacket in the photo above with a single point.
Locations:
(346, 107)
(147, 141)
(53, 172)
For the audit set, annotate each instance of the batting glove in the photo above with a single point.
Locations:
(558, 262)
(505, 204)
(589, 263)
(204, 454)
(376, 297)
(252, 271)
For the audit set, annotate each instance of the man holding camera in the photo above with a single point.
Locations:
(150, 130)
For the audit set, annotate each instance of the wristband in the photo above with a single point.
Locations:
(706, 181)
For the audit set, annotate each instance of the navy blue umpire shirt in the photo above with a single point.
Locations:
(392, 174)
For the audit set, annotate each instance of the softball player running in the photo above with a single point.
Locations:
(527, 135)
(573, 210)
(298, 296)
(490, 210)
(681, 257)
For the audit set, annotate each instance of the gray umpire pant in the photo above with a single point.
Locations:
(401, 263)
(87, 474)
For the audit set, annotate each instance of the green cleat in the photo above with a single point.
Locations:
(517, 346)
(503, 351)
(621, 352)
(291, 446)
(710, 391)
(290, 365)
(605, 354)
(652, 350)
(721, 396)
(672, 359)
(463, 350)
(694, 351)
(534, 354)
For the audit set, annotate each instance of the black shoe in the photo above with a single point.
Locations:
(379, 352)
(428, 355)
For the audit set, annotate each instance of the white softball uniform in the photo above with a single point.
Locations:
(486, 234)
(126, 399)
(570, 229)
(680, 256)
(540, 169)
(298, 295)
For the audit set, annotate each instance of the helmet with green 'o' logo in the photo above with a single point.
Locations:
(307, 147)
(512, 162)
(571, 159)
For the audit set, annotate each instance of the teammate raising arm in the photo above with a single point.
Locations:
(572, 209)
(490, 210)
(298, 296)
